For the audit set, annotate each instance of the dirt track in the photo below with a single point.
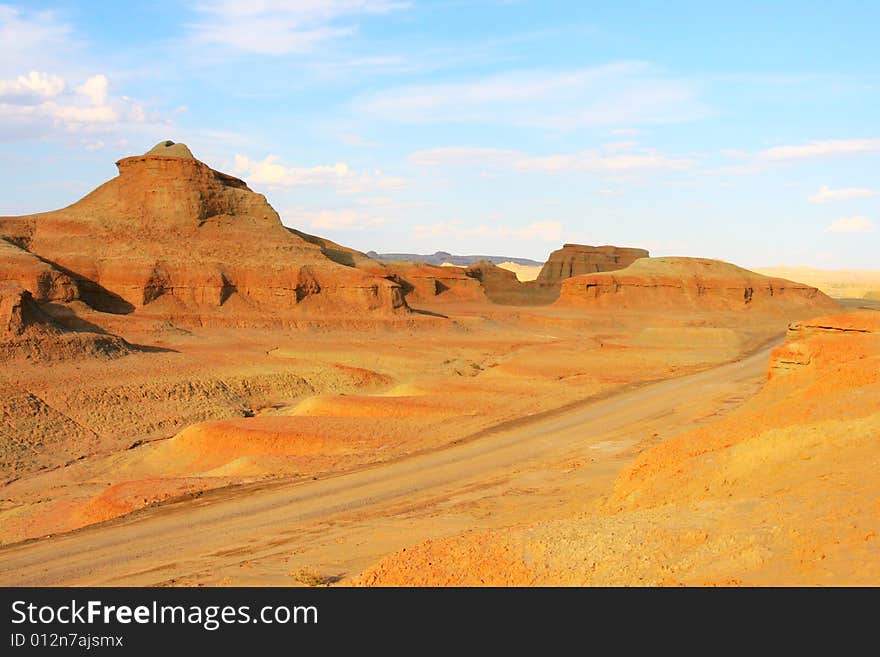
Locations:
(556, 463)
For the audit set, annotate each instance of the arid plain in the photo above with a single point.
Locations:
(194, 394)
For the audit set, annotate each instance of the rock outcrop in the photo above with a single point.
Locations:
(421, 282)
(576, 259)
(811, 343)
(172, 235)
(28, 332)
(502, 286)
(13, 311)
(691, 284)
(45, 282)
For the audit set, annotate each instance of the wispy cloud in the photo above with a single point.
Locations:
(760, 161)
(827, 148)
(271, 172)
(281, 27)
(333, 220)
(42, 104)
(856, 224)
(358, 142)
(31, 39)
(626, 93)
(610, 159)
(827, 195)
(544, 231)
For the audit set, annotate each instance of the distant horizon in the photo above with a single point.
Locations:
(490, 126)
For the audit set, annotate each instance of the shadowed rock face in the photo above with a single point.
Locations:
(27, 332)
(13, 310)
(171, 235)
(45, 282)
(576, 259)
(691, 284)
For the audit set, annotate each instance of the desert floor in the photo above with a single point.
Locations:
(302, 456)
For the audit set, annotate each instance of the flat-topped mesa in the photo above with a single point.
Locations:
(170, 235)
(576, 259)
(691, 284)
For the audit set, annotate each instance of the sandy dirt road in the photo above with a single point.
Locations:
(554, 464)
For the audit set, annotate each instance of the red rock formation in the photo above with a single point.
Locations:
(27, 332)
(13, 310)
(576, 259)
(170, 228)
(421, 282)
(690, 284)
(811, 343)
(43, 281)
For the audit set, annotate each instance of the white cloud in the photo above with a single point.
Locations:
(332, 220)
(34, 85)
(271, 172)
(621, 93)
(608, 159)
(280, 27)
(856, 224)
(826, 194)
(545, 231)
(760, 161)
(95, 89)
(827, 148)
(42, 105)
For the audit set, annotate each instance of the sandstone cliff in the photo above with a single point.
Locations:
(576, 259)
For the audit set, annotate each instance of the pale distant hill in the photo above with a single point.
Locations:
(441, 257)
(523, 272)
(840, 283)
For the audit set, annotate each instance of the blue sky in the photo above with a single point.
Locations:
(749, 133)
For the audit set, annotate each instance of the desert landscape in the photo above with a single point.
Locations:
(320, 296)
(239, 402)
